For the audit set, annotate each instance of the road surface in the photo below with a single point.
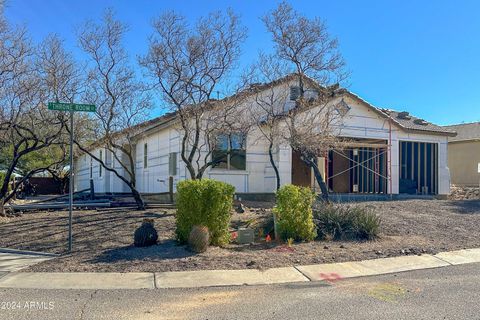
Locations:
(443, 293)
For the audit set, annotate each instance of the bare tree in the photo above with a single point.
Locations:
(26, 126)
(121, 99)
(306, 45)
(189, 65)
(268, 107)
(313, 127)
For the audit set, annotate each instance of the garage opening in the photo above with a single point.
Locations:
(361, 167)
(418, 167)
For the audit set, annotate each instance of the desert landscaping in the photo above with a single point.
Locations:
(103, 238)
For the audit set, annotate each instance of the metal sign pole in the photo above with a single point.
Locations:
(71, 107)
(70, 189)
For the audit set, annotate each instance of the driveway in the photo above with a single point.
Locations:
(14, 260)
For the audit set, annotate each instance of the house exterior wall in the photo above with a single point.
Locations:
(104, 183)
(463, 160)
(363, 122)
(258, 177)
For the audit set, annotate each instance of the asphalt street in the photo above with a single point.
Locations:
(443, 293)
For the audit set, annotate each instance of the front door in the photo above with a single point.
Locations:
(301, 173)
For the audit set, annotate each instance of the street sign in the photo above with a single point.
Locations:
(71, 107)
(59, 106)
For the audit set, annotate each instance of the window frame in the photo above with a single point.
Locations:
(294, 90)
(100, 167)
(172, 164)
(228, 152)
(145, 155)
(91, 168)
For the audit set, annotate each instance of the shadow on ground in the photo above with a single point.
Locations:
(465, 206)
(164, 250)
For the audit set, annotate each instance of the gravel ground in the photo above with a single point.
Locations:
(103, 239)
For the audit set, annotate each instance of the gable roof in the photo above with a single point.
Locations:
(465, 131)
(406, 121)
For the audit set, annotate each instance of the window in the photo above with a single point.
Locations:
(229, 152)
(294, 93)
(100, 167)
(145, 155)
(172, 164)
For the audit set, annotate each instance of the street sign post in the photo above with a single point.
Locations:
(72, 108)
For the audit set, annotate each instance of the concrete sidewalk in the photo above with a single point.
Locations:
(14, 260)
(209, 278)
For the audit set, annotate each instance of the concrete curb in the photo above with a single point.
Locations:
(210, 278)
(30, 253)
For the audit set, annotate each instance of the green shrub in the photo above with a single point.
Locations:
(347, 222)
(204, 202)
(293, 213)
(199, 239)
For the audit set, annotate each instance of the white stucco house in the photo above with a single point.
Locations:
(389, 152)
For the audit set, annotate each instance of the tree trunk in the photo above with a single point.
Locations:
(318, 176)
(272, 162)
(2, 208)
(138, 198)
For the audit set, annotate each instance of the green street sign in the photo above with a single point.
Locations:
(60, 106)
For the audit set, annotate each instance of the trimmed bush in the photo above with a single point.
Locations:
(339, 222)
(293, 212)
(207, 203)
(199, 239)
(145, 235)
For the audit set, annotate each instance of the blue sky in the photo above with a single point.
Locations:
(418, 56)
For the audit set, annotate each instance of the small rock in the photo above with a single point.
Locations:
(325, 247)
(378, 252)
(240, 208)
(297, 261)
(251, 263)
(342, 246)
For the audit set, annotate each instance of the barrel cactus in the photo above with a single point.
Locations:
(199, 239)
(145, 235)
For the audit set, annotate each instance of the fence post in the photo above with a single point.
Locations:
(170, 188)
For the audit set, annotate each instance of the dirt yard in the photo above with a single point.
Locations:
(103, 239)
